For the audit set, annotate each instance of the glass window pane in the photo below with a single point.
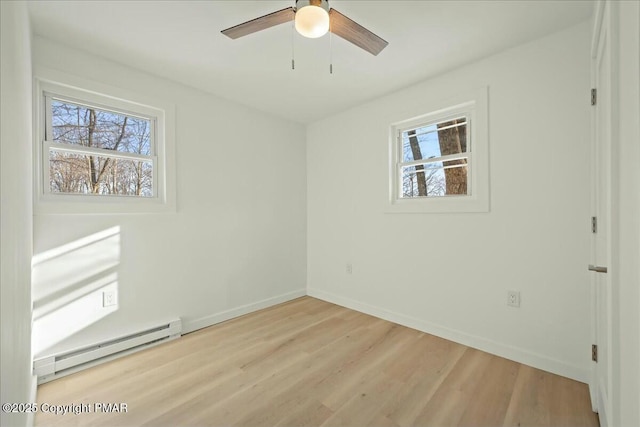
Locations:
(435, 179)
(452, 136)
(91, 127)
(86, 174)
(421, 143)
(440, 139)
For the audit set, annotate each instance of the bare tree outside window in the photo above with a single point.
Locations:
(452, 138)
(99, 152)
(434, 159)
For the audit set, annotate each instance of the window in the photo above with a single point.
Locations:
(93, 151)
(439, 161)
(101, 154)
(435, 159)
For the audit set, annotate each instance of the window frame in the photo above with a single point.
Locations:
(474, 106)
(87, 94)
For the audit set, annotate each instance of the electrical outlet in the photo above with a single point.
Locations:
(513, 298)
(349, 268)
(109, 298)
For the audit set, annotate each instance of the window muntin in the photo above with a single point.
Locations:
(434, 159)
(98, 151)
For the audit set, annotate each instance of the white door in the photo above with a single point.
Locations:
(601, 193)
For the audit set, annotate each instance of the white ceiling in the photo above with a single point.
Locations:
(181, 41)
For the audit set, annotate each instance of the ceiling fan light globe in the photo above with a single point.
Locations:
(312, 21)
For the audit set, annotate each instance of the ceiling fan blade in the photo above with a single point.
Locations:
(261, 23)
(355, 33)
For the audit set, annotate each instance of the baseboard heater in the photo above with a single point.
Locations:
(56, 366)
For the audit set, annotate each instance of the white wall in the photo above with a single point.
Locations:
(449, 274)
(627, 240)
(16, 210)
(238, 239)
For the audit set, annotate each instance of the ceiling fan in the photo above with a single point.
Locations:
(313, 18)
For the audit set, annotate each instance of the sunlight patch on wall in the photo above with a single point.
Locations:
(69, 285)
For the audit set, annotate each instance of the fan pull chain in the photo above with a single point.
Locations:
(293, 50)
(330, 49)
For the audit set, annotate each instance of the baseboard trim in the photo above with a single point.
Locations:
(499, 349)
(212, 319)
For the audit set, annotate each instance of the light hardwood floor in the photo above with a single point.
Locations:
(311, 363)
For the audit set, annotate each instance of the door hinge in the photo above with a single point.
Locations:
(594, 96)
(594, 352)
(594, 224)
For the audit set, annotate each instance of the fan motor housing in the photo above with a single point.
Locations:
(320, 3)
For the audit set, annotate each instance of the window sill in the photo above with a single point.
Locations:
(102, 205)
(446, 204)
